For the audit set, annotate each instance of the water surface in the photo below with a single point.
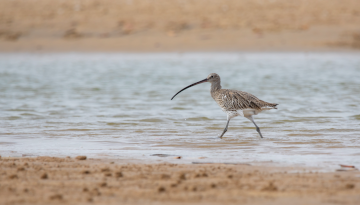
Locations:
(118, 106)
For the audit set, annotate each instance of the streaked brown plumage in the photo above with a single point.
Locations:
(233, 102)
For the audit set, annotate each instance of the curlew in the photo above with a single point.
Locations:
(233, 102)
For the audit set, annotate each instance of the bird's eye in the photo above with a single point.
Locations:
(212, 76)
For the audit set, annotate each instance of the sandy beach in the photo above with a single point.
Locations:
(51, 180)
(178, 26)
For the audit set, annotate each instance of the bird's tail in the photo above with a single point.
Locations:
(268, 106)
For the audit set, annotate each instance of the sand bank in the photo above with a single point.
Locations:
(179, 26)
(50, 180)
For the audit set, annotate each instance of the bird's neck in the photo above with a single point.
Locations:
(215, 86)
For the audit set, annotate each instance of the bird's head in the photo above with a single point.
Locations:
(213, 77)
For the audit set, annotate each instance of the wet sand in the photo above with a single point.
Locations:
(179, 26)
(51, 180)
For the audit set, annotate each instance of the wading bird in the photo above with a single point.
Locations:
(233, 102)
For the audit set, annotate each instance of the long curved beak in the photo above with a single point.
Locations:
(199, 82)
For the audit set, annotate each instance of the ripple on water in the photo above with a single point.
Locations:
(13, 118)
(180, 108)
(357, 117)
(76, 130)
(151, 120)
(121, 124)
(215, 128)
(198, 119)
(28, 114)
(7, 143)
(305, 135)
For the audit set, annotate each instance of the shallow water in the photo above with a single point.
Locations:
(118, 106)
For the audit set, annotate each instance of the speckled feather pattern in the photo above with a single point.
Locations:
(233, 100)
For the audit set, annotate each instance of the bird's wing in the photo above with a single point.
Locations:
(232, 100)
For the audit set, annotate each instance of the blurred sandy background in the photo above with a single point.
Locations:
(179, 25)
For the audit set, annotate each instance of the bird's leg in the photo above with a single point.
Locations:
(257, 128)
(227, 124)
